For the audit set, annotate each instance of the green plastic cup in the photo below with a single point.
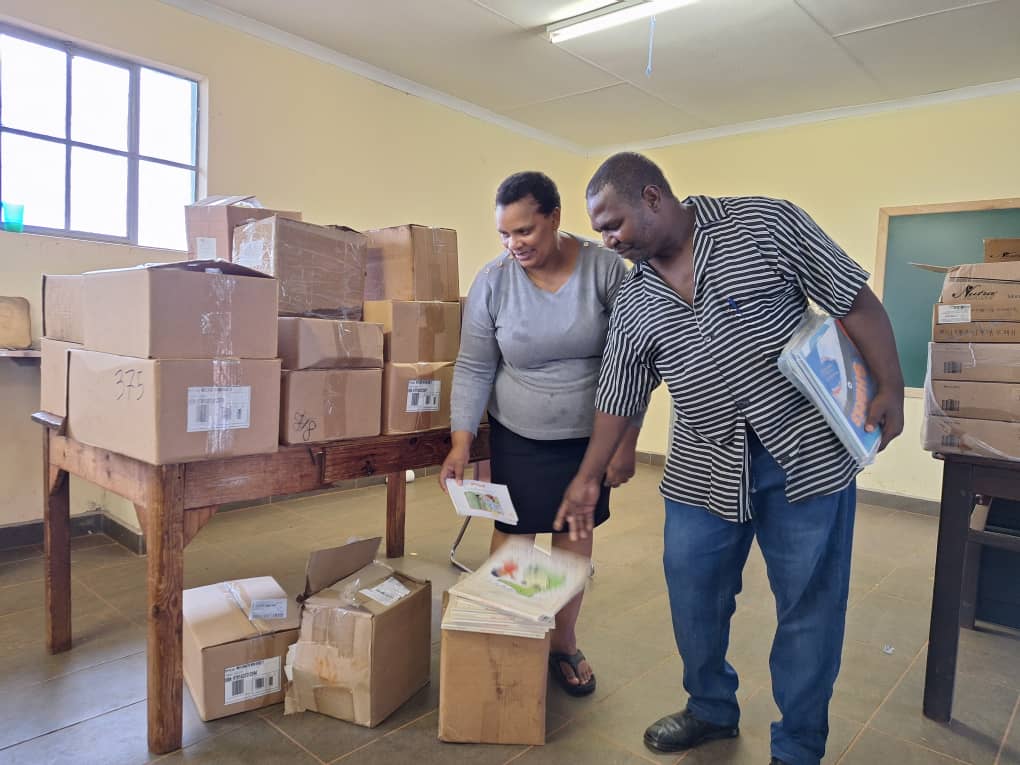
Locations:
(14, 216)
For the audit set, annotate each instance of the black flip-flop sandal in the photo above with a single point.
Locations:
(574, 661)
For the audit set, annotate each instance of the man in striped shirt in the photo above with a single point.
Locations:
(719, 286)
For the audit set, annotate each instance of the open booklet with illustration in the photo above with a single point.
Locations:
(518, 590)
(823, 363)
(481, 499)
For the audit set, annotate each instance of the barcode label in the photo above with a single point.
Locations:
(216, 409)
(205, 247)
(423, 395)
(251, 680)
(268, 608)
(387, 593)
(952, 367)
(954, 314)
(951, 441)
(950, 405)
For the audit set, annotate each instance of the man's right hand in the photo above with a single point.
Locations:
(578, 508)
(454, 464)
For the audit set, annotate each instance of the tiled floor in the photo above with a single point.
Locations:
(87, 705)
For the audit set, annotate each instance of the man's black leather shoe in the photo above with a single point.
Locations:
(683, 730)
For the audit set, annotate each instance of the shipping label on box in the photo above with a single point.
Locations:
(163, 411)
(365, 641)
(417, 331)
(979, 362)
(187, 310)
(330, 404)
(62, 298)
(320, 269)
(416, 397)
(233, 661)
(327, 344)
(412, 262)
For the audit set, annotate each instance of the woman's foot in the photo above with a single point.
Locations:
(573, 672)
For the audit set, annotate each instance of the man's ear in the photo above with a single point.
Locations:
(651, 195)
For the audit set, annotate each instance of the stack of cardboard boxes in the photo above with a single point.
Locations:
(972, 396)
(413, 290)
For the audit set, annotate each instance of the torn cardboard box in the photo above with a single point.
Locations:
(236, 636)
(62, 307)
(164, 411)
(330, 404)
(187, 310)
(328, 344)
(416, 397)
(417, 330)
(210, 223)
(53, 375)
(321, 269)
(365, 637)
(412, 262)
(15, 323)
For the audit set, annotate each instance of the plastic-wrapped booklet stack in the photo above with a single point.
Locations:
(823, 363)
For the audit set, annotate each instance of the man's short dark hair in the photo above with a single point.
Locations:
(529, 183)
(628, 173)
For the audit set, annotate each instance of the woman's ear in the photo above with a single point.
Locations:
(554, 217)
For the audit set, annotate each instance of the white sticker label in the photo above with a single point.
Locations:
(217, 409)
(423, 395)
(387, 593)
(954, 314)
(250, 253)
(268, 608)
(251, 680)
(205, 247)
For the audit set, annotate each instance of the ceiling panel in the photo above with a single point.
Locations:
(536, 14)
(729, 61)
(613, 115)
(969, 46)
(841, 16)
(455, 46)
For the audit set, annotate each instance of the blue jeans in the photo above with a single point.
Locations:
(806, 547)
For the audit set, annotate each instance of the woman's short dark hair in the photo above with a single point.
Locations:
(529, 183)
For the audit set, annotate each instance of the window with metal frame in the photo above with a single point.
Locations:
(94, 146)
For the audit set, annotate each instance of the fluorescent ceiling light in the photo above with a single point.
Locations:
(611, 16)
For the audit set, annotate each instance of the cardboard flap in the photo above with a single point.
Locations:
(936, 269)
(220, 200)
(327, 567)
(202, 266)
(218, 613)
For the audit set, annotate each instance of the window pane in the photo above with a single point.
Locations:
(98, 192)
(32, 174)
(168, 106)
(99, 103)
(162, 194)
(33, 87)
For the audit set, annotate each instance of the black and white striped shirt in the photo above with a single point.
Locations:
(757, 261)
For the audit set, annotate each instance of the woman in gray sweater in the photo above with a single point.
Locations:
(533, 334)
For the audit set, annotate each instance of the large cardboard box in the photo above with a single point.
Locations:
(211, 221)
(321, 269)
(416, 397)
(329, 344)
(974, 331)
(979, 438)
(492, 688)
(975, 400)
(412, 262)
(981, 282)
(998, 250)
(193, 309)
(164, 411)
(53, 375)
(330, 404)
(979, 362)
(15, 323)
(62, 297)
(416, 330)
(236, 636)
(366, 639)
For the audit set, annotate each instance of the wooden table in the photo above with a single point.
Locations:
(962, 480)
(173, 502)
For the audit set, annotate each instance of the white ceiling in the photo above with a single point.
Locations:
(715, 63)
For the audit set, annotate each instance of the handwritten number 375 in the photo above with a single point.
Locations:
(127, 385)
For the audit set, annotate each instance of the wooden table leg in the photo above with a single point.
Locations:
(396, 505)
(165, 546)
(944, 635)
(57, 545)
